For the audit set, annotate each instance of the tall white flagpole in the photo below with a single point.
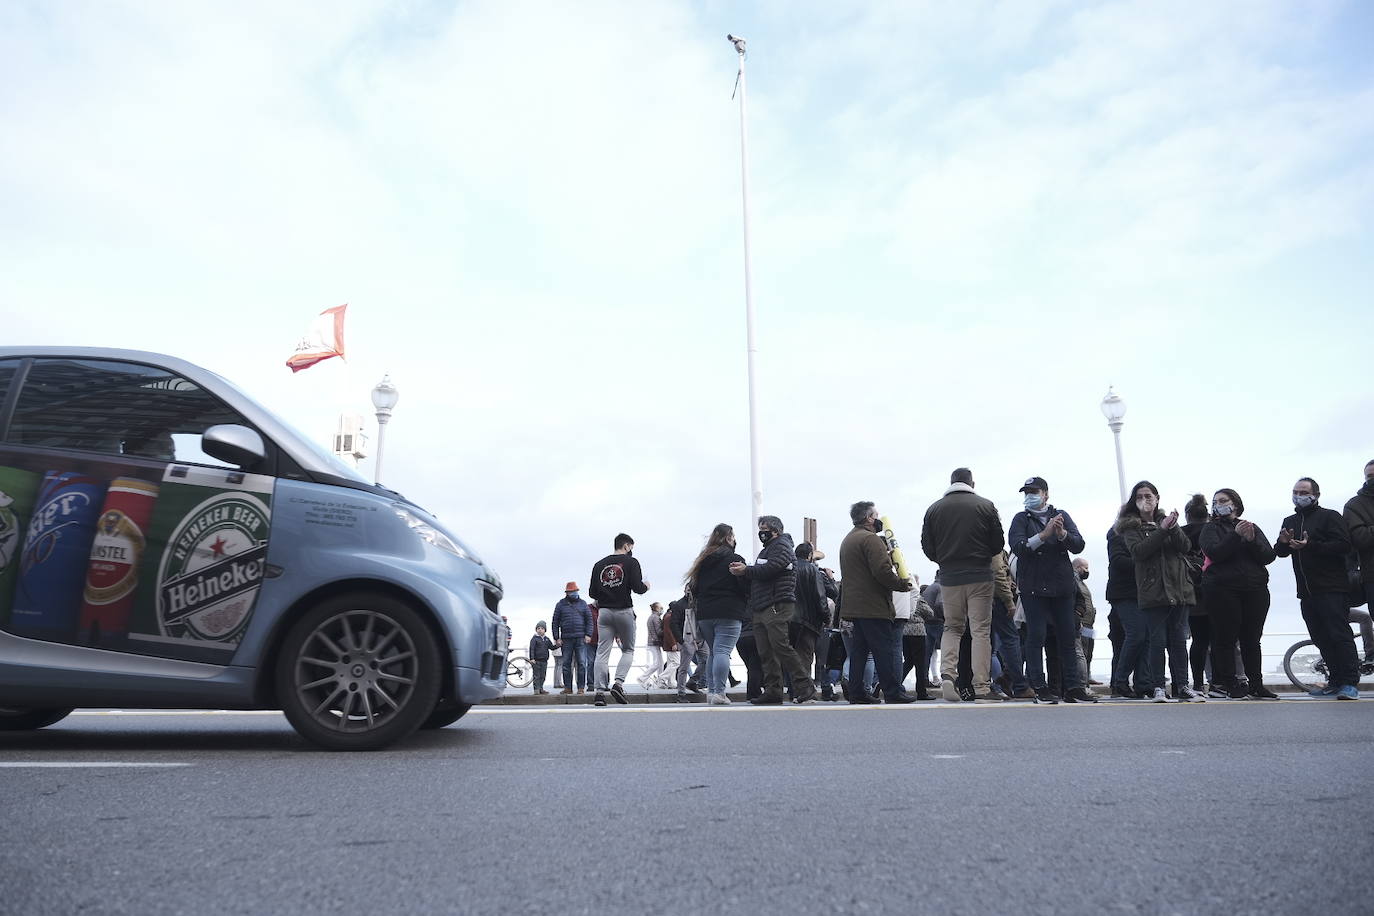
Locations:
(755, 474)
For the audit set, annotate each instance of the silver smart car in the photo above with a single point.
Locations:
(167, 542)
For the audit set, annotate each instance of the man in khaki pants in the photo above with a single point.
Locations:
(962, 533)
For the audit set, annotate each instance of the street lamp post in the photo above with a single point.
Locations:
(755, 474)
(384, 398)
(1114, 409)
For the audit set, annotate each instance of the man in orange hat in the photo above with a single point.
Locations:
(572, 627)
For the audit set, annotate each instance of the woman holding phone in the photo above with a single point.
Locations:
(1164, 589)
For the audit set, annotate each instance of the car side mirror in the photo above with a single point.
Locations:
(233, 444)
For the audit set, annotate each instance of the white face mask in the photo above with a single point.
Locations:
(1145, 506)
(1222, 511)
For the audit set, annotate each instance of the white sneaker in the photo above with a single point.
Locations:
(717, 699)
(1189, 695)
(1159, 696)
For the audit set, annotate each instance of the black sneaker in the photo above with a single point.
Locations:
(696, 686)
(828, 693)
(600, 699)
(1045, 695)
(902, 697)
(1079, 695)
(1263, 693)
(966, 694)
(767, 700)
(618, 694)
(1123, 693)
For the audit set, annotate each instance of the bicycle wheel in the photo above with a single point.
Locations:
(1304, 665)
(519, 671)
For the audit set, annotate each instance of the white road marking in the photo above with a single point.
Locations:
(947, 756)
(79, 764)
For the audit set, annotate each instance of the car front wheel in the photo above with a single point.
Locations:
(358, 672)
(446, 713)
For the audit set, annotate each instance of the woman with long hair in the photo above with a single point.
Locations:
(722, 606)
(1164, 589)
(1236, 584)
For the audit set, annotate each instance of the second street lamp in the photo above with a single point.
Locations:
(384, 398)
(1114, 409)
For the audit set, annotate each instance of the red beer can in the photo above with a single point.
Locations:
(116, 554)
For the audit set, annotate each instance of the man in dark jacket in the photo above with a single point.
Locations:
(962, 533)
(1359, 519)
(868, 581)
(616, 579)
(772, 602)
(1042, 537)
(810, 618)
(1318, 542)
(572, 626)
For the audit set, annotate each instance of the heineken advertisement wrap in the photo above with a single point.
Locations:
(211, 526)
(133, 564)
(18, 489)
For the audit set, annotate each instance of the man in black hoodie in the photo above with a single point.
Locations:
(614, 578)
(1318, 542)
(772, 601)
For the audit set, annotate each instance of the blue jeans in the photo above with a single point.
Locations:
(1041, 610)
(1176, 634)
(572, 660)
(875, 636)
(720, 636)
(1006, 639)
(588, 662)
(870, 675)
(1133, 659)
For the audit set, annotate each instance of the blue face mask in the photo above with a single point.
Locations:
(573, 596)
(1033, 501)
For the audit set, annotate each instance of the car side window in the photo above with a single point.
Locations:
(116, 408)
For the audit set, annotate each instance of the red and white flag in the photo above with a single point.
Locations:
(323, 340)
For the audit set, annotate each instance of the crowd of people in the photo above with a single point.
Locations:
(1009, 611)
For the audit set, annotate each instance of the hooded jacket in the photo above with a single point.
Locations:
(1359, 519)
(1160, 556)
(773, 576)
(867, 577)
(962, 532)
(1319, 568)
(1232, 561)
(540, 646)
(572, 620)
(720, 594)
(1045, 570)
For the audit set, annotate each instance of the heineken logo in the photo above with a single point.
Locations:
(212, 568)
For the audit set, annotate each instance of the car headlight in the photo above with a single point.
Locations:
(431, 535)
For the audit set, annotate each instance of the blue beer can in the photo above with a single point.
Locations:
(57, 548)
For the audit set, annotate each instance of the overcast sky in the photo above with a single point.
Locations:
(969, 218)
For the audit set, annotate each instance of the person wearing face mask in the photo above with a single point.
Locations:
(572, 626)
(866, 601)
(1236, 585)
(772, 602)
(1042, 538)
(722, 604)
(1359, 519)
(1196, 513)
(1086, 613)
(615, 580)
(1318, 541)
(1164, 587)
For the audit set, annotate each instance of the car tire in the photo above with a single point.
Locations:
(23, 720)
(358, 672)
(446, 713)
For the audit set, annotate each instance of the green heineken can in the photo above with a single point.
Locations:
(205, 559)
(17, 492)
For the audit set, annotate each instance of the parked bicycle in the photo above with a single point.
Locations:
(1306, 668)
(519, 671)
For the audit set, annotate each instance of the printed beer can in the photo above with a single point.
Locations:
(17, 491)
(112, 575)
(57, 547)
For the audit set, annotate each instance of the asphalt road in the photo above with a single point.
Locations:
(1118, 808)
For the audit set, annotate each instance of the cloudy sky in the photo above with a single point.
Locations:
(969, 218)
